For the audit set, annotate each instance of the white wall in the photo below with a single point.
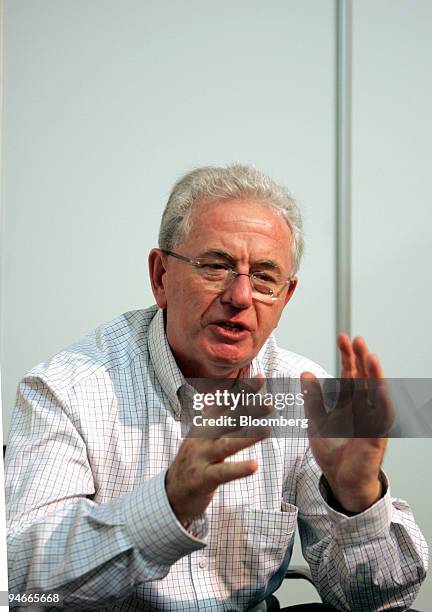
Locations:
(105, 105)
(107, 102)
(392, 196)
(392, 192)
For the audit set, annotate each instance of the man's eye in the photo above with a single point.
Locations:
(215, 266)
(264, 277)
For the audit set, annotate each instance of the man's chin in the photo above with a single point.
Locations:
(226, 359)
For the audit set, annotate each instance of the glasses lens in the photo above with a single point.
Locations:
(213, 271)
(219, 275)
(263, 297)
(266, 284)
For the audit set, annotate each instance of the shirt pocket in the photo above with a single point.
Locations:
(250, 545)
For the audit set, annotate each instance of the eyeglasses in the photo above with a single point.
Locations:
(218, 276)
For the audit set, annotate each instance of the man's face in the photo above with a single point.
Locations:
(251, 233)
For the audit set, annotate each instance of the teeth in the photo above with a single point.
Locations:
(231, 325)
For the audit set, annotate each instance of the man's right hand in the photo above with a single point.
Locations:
(199, 466)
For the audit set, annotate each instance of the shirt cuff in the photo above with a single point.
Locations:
(371, 523)
(155, 529)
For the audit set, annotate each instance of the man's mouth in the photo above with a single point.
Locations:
(227, 325)
(230, 329)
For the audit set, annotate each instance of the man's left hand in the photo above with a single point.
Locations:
(351, 465)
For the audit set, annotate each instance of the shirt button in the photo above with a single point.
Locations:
(203, 563)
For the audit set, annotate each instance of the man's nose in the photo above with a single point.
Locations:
(239, 292)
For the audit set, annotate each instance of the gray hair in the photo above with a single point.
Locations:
(211, 183)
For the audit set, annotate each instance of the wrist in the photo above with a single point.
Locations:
(353, 501)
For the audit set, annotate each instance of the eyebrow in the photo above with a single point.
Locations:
(264, 263)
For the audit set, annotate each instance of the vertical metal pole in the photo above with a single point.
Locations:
(343, 168)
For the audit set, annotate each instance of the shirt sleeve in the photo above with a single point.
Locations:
(58, 538)
(374, 560)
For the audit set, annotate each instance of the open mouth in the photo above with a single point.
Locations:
(229, 329)
(233, 326)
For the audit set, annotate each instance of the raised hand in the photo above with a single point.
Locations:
(199, 467)
(351, 465)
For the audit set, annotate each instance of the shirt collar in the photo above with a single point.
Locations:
(163, 361)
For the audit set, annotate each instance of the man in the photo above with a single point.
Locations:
(108, 505)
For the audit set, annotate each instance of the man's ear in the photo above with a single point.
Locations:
(157, 269)
(291, 289)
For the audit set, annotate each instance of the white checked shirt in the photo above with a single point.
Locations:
(93, 433)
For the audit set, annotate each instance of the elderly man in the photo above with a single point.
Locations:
(111, 507)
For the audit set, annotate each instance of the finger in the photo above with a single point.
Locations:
(219, 473)
(361, 353)
(385, 404)
(229, 445)
(381, 401)
(313, 401)
(373, 366)
(347, 356)
(373, 410)
(338, 392)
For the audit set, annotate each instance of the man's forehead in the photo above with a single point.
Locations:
(248, 213)
(239, 230)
